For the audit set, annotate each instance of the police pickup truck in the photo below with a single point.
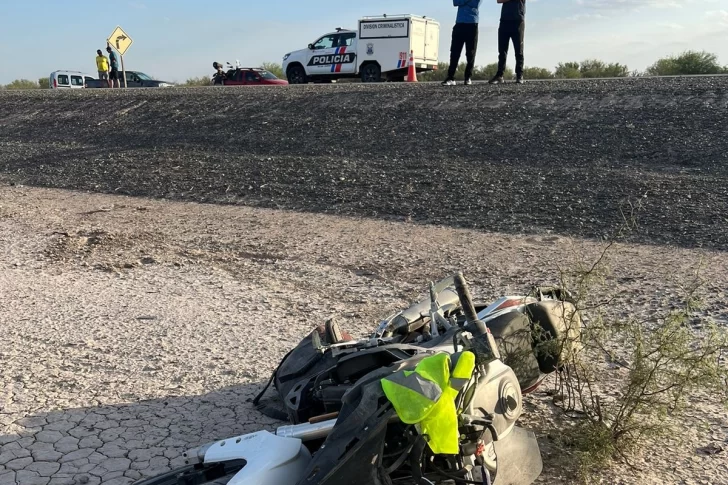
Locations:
(378, 51)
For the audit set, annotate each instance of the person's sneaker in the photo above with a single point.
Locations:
(519, 80)
(468, 82)
(448, 82)
(496, 80)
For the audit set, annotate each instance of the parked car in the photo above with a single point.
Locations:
(134, 79)
(250, 76)
(69, 80)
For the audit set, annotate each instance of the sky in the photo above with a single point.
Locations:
(178, 39)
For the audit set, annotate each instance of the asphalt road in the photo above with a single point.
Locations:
(559, 157)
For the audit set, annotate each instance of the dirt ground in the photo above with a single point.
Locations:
(133, 329)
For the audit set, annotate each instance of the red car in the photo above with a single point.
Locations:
(248, 76)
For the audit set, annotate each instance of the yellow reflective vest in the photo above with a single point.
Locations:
(426, 397)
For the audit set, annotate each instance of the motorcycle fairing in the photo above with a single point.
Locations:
(352, 454)
(519, 458)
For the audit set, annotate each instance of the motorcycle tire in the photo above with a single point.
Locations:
(550, 317)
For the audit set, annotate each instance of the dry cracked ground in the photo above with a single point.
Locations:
(156, 265)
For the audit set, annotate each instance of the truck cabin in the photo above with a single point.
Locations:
(343, 38)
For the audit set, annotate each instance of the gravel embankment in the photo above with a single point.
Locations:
(548, 156)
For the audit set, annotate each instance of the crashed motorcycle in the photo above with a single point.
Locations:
(220, 76)
(344, 427)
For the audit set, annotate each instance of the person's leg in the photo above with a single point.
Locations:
(518, 36)
(471, 48)
(503, 40)
(456, 50)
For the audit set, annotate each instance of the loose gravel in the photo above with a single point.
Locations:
(564, 156)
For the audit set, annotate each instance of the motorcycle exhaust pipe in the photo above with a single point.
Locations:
(307, 431)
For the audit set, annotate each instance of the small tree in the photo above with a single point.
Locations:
(488, 71)
(197, 82)
(689, 62)
(44, 83)
(665, 360)
(275, 69)
(537, 73)
(22, 84)
(591, 68)
(567, 70)
(613, 69)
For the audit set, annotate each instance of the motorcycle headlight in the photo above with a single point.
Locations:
(286, 56)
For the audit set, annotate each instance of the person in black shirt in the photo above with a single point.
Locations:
(512, 28)
(114, 65)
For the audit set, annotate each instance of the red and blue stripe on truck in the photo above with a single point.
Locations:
(337, 67)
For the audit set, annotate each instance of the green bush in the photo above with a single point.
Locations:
(567, 70)
(275, 69)
(665, 361)
(22, 84)
(537, 73)
(194, 82)
(686, 63)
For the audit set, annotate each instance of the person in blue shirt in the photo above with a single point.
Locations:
(512, 28)
(114, 76)
(465, 33)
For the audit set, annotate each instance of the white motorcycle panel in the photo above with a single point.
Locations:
(271, 459)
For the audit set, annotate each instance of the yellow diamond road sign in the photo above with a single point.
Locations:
(120, 41)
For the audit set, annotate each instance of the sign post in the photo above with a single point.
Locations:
(121, 42)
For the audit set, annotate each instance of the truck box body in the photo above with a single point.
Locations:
(396, 37)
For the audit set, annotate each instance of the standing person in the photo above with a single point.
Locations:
(114, 73)
(465, 33)
(512, 28)
(102, 65)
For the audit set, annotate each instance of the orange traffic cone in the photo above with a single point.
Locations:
(412, 72)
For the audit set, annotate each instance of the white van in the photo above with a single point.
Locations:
(69, 80)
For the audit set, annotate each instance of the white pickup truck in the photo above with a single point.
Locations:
(378, 51)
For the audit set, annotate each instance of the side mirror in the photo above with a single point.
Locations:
(310, 47)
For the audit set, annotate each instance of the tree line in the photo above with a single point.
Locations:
(686, 63)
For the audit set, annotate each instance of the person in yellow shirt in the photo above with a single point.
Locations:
(102, 65)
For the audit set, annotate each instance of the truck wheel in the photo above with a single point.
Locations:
(371, 73)
(297, 75)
